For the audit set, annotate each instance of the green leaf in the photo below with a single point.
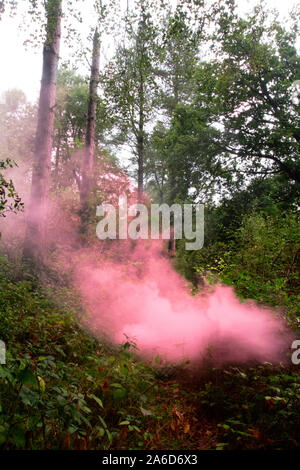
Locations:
(29, 397)
(119, 394)
(41, 383)
(101, 431)
(116, 385)
(145, 412)
(27, 377)
(96, 399)
(18, 436)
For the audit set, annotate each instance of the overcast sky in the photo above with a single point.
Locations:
(21, 68)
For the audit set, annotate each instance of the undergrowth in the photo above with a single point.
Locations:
(62, 388)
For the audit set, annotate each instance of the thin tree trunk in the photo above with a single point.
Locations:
(141, 138)
(36, 222)
(57, 157)
(140, 149)
(89, 150)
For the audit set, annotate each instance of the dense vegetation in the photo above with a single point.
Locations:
(219, 128)
(62, 388)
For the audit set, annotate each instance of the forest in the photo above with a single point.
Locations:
(130, 341)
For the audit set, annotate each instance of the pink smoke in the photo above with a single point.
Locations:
(132, 289)
(144, 298)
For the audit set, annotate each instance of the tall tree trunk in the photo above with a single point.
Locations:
(140, 151)
(89, 150)
(57, 157)
(141, 125)
(36, 221)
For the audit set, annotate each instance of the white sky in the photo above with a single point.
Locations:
(21, 68)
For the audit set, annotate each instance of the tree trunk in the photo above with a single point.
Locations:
(140, 149)
(141, 135)
(57, 157)
(89, 150)
(36, 221)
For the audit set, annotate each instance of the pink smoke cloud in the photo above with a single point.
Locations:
(144, 298)
(132, 289)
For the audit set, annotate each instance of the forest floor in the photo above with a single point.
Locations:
(62, 388)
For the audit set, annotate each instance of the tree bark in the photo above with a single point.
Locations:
(89, 150)
(36, 221)
(140, 152)
(141, 104)
(57, 157)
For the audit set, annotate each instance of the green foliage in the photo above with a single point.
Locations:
(240, 117)
(261, 261)
(63, 389)
(70, 126)
(9, 199)
(60, 387)
(129, 83)
(265, 265)
(17, 127)
(254, 408)
(247, 90)
(194, 169)
(227, 121)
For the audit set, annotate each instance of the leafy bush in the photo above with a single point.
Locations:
(262, 261)
(62, 388)
(265, 264)
(254, 407)
(9, 199)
